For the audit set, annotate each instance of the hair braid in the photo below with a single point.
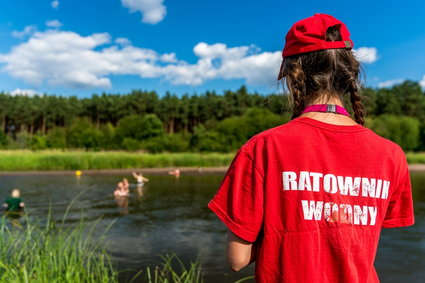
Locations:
(356, 103)
(350, 73)
(297, 87)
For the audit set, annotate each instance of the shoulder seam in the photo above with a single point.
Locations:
(252, 159)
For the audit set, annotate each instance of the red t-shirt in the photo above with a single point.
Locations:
(314, 196)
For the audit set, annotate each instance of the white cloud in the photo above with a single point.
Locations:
(169, 58)
(67, 59)
(366, 54)
(153, 11)
(58, 58)
(390, 83)
(219, 61)
(27, 31)
(23, 92)
(123, 41)
(54, 24)
(55, 4)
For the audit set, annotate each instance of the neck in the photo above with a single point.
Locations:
(331, 100)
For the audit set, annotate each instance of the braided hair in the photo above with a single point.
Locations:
(322, 75)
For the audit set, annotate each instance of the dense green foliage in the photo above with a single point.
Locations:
(142, 120)
(400, 129)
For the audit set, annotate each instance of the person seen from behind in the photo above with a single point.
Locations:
(307, 200)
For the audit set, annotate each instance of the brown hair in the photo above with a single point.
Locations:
(323, 74)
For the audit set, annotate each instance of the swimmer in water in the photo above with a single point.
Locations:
(14, 203)
(121, 197)
(120, 191)
(140, 179)
(175, 172)
(126, 185)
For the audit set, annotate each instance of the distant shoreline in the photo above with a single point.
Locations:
(417, 167)
(152, 171)
(67, 162)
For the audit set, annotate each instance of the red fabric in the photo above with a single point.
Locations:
(314, 197)
(309, 35)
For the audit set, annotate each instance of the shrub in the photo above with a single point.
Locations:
(23, 140)
(207, 141)
(235, 131)
(82, 134)
(131, 144)
(400, 129)
(56, 138)
(38, 142)
(3, 139)
(170, 143)
(139, 127)
(107, 137)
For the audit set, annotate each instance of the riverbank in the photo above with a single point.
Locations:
(18, 162)
(25, 160)
(415, 157)
(150, 171)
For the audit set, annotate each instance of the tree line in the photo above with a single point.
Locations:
(143, 120)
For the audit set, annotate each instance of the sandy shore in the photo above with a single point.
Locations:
(417, 167)
(152, 171)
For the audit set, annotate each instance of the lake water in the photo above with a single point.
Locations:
(170, 216)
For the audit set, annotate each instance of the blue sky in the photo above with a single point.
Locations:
(187, 46)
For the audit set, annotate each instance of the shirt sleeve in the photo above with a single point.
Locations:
(400, 208)
(239, 200)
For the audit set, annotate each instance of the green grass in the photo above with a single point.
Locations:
(52, 253)
(416, 157)
(56, 253)
(17, 160)
(167, 272)
(20, 160)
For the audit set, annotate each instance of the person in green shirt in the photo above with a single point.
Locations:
(14, 203)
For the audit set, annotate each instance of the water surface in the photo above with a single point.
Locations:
(170, 216)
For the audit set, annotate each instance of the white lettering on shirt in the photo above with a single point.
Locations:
(347, 186)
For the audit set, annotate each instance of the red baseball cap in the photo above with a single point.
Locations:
(309, 35)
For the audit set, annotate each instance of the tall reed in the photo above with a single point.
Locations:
(52, 253)
(167, 273)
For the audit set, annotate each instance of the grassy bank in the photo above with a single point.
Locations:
(52, 253)
(11, 160)
(20, 160)
(31, 252)
(416, 157)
